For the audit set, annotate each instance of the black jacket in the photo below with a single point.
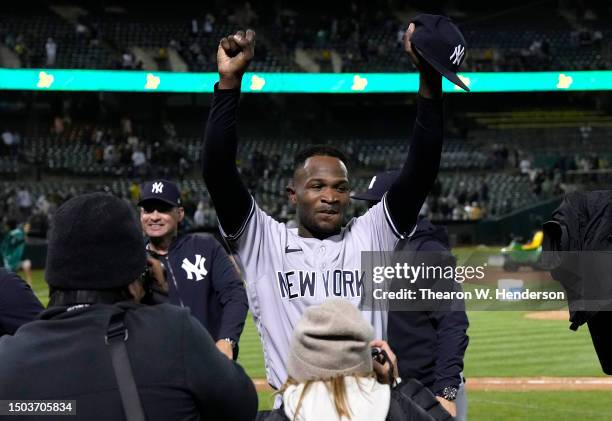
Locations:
(215, 294)
(429, 344)
(577, 250)
(179, 373)
(18, 304)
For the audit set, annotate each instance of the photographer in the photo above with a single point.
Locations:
(95, 260)
(199, 273)
(337, 372)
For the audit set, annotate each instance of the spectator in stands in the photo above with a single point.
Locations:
(458, 214)
(24, 202)
(22, 50)
(58, 126)
(134, 192)
(183, 168)
(128, 61)
(132, 141)
(525, 166)
(547, 187)
(170, 130)
(162, 59)
(209, 22)
(96, 291)
(97, 136)
(476, 212)
(246, 17)
(51, 50)
(483, 194)
(7, 141)
(16, 142)
(80, 29)
(98, 152)
(110, 155)
(139, 161)
(18, 304)
(195, 50)
(42, 204)
(332, 375)
(126, 126)
(9, 40)
(39, 224)
(463, 193)
(199, 217)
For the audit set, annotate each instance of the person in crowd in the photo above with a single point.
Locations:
(94, 268)
(12, 250)
(429, 341)
(338, 372)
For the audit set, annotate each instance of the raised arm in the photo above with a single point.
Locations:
(408, 192)
(229, 195)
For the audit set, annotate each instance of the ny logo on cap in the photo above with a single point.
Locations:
(457, 54)
(157, 187)
(372, 183)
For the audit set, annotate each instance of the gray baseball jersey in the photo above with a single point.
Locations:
(286, 273)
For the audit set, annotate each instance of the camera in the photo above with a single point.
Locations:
(379, 355)
(154, 280)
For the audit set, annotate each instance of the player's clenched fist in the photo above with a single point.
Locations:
(234, 54)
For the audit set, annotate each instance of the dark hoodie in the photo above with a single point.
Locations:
(202, 278)
(430, 345)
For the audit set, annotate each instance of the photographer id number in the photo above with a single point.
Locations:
(37, 407)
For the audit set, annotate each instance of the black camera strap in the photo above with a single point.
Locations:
(116, 336)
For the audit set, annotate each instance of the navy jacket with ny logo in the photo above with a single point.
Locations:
(202, 277)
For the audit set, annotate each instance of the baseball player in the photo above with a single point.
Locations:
(290, 269)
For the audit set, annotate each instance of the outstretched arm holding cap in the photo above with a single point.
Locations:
(408, 192)
(437, 48)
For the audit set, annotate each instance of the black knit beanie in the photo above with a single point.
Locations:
(95, 243)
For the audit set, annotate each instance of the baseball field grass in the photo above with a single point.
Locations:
(502, 344)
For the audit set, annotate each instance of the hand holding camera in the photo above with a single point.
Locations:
(384, 362)
(154, 281)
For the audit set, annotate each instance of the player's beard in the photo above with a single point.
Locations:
(308, 221)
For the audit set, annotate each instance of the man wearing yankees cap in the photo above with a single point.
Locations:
(287, 270)
(198, 271)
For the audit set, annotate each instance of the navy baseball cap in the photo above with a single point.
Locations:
(379, 185)
(438, 40)
(161, 190)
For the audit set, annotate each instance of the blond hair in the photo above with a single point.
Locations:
(336, 387)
